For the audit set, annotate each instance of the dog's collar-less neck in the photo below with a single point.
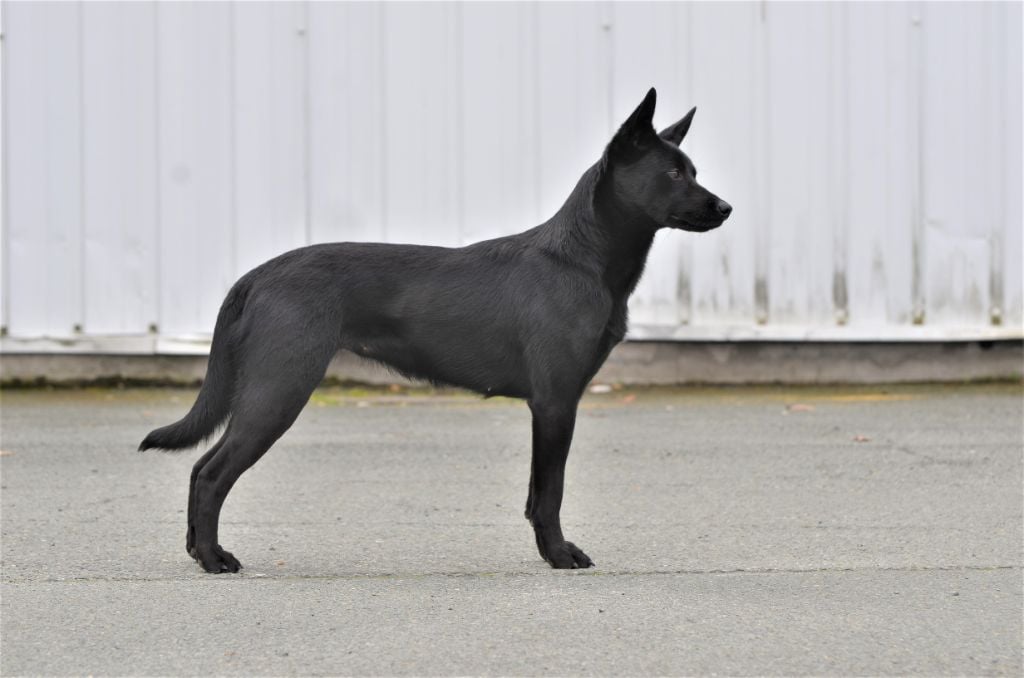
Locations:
(627, 242)
(617, 238)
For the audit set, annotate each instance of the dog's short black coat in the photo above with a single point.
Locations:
(530, 316)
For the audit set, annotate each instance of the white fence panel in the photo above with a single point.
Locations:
(119, 120)
(1006, 28)
(271, 174)
(421, 123)
(498, 182)
(801, 132)
(878, 163)
(196, 164)
(346, 97)
(574, 97)
(43, 130)
(957, 196)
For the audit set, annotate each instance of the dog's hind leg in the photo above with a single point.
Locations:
(553, 424)
(271, 394)
(190, 534)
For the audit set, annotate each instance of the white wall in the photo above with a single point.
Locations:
(155, 152)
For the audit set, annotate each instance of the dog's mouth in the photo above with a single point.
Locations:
(694, 226)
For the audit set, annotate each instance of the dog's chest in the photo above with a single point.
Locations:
(618, 321)
(615, 328)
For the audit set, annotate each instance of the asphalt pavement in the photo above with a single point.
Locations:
(827, 531)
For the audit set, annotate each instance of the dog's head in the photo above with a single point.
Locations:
(651, 174)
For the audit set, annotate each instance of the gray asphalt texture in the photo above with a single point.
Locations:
(840, 531)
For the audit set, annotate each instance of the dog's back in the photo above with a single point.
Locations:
(459, 316)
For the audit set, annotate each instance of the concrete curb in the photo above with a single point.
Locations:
(634, 363)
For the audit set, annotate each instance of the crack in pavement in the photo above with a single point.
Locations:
(512, 574)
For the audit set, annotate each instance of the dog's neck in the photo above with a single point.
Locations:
(596, 229)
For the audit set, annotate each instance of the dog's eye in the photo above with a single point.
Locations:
(675, 174)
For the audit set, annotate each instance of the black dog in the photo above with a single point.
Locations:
(529, 316)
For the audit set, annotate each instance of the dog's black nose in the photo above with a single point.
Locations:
(724, 208)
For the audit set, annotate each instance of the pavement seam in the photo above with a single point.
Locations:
(524, 573)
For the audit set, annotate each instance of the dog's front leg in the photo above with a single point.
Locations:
(552, 434)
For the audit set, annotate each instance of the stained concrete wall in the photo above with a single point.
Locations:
(655, 363)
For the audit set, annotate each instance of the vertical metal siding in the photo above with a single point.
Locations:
(43, 215)
(196, 164)
(154, 152)
(119, 167)
(1006, 30)
(346, 105)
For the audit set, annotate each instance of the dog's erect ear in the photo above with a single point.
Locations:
(638, 127)
(676, 132)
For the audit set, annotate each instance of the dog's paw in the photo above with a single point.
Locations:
(214, 559)
(567, 556)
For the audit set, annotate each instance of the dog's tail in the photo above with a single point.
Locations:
(213, 405)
